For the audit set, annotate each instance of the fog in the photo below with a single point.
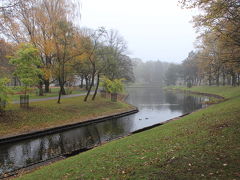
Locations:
(154, 30)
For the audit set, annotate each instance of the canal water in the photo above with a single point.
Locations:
(155, 106)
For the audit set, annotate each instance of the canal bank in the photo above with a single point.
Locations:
(204, 144)
(47, 115)
(57, 129)
(152, 102)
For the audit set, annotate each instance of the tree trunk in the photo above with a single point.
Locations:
(229, 80)
(89, 82)
(91, 85)
(224, 78)
(233, 79)
(209, 80)
(96, 89)
(24, 101)
(238, 79)
(59, 96)
(210, 76)
(40, 87)
(61, 91)
(15, 81)
(47, 84)
(81, 84)
(217, 79)
(86, 82)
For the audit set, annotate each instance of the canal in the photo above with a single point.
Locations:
(155, 106)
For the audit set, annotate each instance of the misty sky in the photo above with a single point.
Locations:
(153, 29)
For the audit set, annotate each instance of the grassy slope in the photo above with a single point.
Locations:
(203, 145)
(48, 114)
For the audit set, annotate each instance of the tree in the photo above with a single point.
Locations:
(190, 70)
(218, 22)
(4, 90)
(36, 22)
(171, 76)
(91, 46)
(82, 69)
(150, 72)
(110, 58)
(220, 16)
(50, 17)
(68, 46)
(117, 63)
(6, 49)
(26, 63)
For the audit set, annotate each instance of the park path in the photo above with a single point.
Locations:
(51, 98)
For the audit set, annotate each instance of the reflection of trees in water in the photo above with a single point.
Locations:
(74, 139)
(18, 155)
(5, 162)
(174, 100)
(26, 153)
(114, 128)
(154, 96)
(191, 103)
(186, 103)
(90, 135)
(93, 135)
(80, 138)
(171, 98)
(51, 146)
(138, 96)
(30, 151)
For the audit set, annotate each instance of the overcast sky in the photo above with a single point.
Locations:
(153, 29)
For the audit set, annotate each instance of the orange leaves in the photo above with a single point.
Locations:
(48, 47)
(47, 73)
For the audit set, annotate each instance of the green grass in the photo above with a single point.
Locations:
(224, 91)
(47, 114)
(141, 85)
(34, 95)
(202, 145)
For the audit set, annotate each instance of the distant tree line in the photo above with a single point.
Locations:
(154, 72)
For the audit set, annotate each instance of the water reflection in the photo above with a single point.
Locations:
(155, 106)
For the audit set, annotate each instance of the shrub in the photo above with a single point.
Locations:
(112, 86)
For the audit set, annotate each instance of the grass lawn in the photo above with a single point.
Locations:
(202, 145)
(141, 85)
(48, 114)
(53, 93)
(226, 91)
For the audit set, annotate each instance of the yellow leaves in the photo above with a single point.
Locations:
(47, 73)
(84, 56)
(49, 47)
(81, 58)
